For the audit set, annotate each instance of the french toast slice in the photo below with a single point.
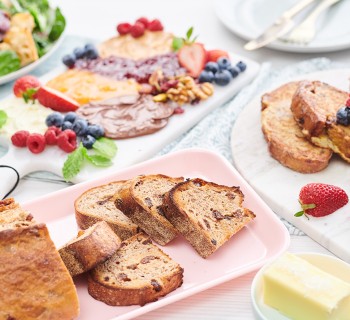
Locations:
(285, 139)
(314, 106)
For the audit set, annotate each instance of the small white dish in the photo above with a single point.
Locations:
(327, 263)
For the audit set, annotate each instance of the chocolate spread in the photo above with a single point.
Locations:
(127, 116)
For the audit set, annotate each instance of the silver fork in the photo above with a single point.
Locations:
(306, 31)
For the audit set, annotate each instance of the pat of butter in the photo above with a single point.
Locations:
(302, 291)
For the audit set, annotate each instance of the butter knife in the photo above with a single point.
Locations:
(281, 26)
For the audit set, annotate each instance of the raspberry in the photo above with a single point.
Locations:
(155, 25)
(123, 28)
(144, 21)
(67, 140)
(36, 143)
(51, 135)
(137, 30)
(19, 139)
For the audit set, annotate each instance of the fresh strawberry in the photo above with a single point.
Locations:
(155, 25)
(193, 57)
(319, 199)
(123, 28)
(214, 55)
(348, 103)
(144, 21)
(56, 100)
(137, 30)
(26, 87)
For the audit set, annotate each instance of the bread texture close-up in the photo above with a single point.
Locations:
(97, 204)
(91, 247)
(286, 142)
(138, 273)
(206, 214)
(35, 283)
(143, 202)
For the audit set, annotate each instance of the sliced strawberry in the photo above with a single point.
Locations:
(56, 100)
(193, 57)
(214, 55)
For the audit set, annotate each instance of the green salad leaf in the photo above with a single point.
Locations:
(58, 25)
(9, 62)
(3, 118)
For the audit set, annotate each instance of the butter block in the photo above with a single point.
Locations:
(301, 291)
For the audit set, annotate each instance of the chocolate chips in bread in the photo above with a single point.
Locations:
(284, 137)
(138, 273)
(91, 247)
(142, 203)
(206, 214)
(97, 204)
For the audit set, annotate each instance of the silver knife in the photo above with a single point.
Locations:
(280, 27)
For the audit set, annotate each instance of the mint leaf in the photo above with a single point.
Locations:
(177, 43)
(105, 147)
(3, 118)
(189, 33)
(73, 164)
(98, 160)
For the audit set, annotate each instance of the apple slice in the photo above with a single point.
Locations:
(56, 100)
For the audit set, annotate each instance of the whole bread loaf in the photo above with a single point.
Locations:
(206, 214)
(91, 247)
(138, 273)
(35, 283)
(284, 137)
(97, 204)
(143, 202)
(314, 106)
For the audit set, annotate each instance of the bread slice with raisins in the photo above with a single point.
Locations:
(206, 214)
(143, 202)
(97, 204)
(138, 273)
(90, 248)
(314, 106)
(286, 142)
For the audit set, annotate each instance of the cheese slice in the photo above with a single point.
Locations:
(301, 291)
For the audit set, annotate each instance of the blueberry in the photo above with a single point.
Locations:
(80, 127)
(54, 119)
(223, 63)
(234, 70)
(206, 76)
(343, 116)
(70, 116)
(90, 51)
(211, 66)
(241, 65)
(79, 53)
(69, 60)
(96, 131)
(88, 141)
(222, 77)
(67, 125)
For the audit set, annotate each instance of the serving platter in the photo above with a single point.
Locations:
(280, 186)
(130, 151)
(260, 241)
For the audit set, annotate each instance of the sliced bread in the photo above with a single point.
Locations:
(35, 283)
(91, 247)
(142, 203)
(97, 204)
(206, 214)
(138, 273)
(314, 106)
(284, 137)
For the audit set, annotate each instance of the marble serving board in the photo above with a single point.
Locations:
(130, 151)
(280, 186)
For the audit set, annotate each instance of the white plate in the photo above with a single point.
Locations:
(249, 18)
(324, 262)
(280, 186)
(28, 68)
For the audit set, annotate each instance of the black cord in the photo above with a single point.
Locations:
(17, 181)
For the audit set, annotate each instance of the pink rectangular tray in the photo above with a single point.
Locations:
(260, 241)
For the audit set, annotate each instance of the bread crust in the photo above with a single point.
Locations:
(149, 218)
(102, 198)
(95, 245)
(286, 142)
(196, 225)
